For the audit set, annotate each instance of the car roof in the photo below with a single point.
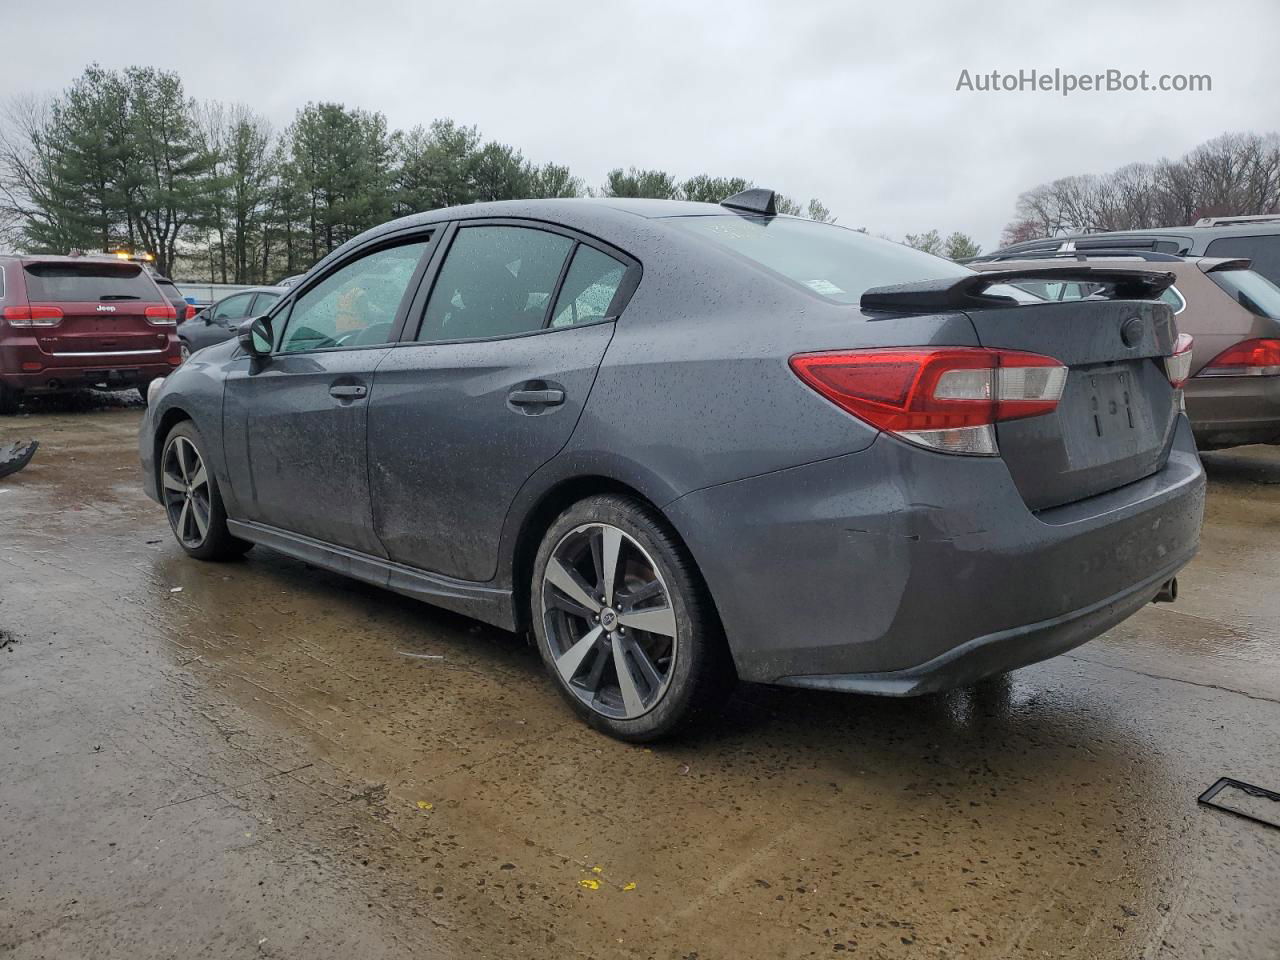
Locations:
(1191, 233)
(584, 213)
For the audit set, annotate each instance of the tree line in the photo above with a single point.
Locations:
(125, 159)
(1231, 175)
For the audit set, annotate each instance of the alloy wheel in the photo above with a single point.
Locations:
(609, 621)
(184, 351)
(185, 484)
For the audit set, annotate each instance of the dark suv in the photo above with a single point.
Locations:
(1256, 239)
(68, 323)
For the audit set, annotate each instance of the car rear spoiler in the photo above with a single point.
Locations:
(967, 292)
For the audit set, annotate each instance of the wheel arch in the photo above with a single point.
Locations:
(168, 420)
(553, 502)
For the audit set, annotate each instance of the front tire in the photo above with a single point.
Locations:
(624, 623)
(191, 498)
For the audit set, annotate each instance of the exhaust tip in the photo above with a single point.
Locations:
(1167, 593)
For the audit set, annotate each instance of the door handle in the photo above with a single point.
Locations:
(348, 391)
(548, 397)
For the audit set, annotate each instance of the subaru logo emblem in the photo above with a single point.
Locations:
(1131, 332)
(106, 308)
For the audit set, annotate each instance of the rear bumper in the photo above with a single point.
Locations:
(24, 366)
(896, 570)
(1226, 411)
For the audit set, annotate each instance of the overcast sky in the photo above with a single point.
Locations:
(851, 102)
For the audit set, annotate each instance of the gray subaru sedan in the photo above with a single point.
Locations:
(686, 443)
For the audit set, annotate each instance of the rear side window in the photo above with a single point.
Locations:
(88, 281)
(1251, 290)
(589, 288)
(834, 262)
(496, 281)
(1263, 252)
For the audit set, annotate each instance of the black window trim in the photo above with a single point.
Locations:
(429, 234)
(621, 297)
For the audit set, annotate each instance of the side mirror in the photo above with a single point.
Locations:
(256, 337)
(206, 316)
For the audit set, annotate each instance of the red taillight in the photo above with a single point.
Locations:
(161, 316)
(33, 316)
(1178, 364)
(1249, 358)
(946, 398)
(189, 312)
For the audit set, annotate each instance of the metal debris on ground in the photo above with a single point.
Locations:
(1252, 794)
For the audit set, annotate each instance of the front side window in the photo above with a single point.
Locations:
(356, 305)
(833, 262)
(232, 308)
(589, 287)
(265, 302)
(496, 281)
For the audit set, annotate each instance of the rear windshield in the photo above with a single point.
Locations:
(1251, 290)
(834, 262)
(88, 281)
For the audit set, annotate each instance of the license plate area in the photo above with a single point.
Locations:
(1106, 417)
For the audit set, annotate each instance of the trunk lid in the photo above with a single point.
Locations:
(1114, 424)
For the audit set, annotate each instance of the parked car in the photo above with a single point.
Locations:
(76, 322)
(218, 321)
(291, 281)
(1233, 395)
(683, 441)
(1256, 239)
(182, 309)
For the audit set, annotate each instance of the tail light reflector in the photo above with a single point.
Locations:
(1178, 364)
(1249, 358)
(944, 398)
(32, 316)
(161, 315)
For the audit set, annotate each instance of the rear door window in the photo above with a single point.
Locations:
(80, 282)
(1263, 252)
(833, 262)
(496, 281)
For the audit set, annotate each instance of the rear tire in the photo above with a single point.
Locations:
(8, 400)
(658, 623)
(192, 500)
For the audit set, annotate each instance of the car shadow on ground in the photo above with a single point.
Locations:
(1252, 464)
(397, 636)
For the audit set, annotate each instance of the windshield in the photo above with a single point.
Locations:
(77, 282)
(1251, 290)
(834, 262)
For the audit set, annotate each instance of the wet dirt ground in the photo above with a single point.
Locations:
(260, 759)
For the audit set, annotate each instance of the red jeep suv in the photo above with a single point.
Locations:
(68, 323)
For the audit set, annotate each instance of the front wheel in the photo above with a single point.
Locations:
(624, 623)
(192, 500)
